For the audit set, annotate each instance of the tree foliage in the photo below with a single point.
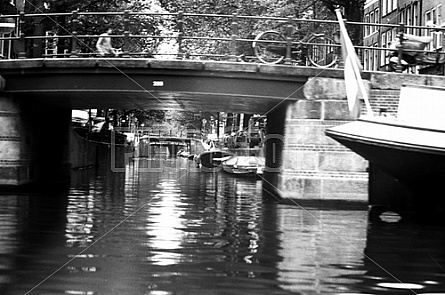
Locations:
(193, 26)
(248, 28)
(90, 24)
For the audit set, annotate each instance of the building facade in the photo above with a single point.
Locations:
(371, 35)
(388, 14)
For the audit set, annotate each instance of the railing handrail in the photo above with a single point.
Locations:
(233, 37)
(282, 19)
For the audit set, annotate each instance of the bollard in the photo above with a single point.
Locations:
(126, 46)
(289, 29)
(22, 42)
(234, 37)
(74, 26)
(180, 25)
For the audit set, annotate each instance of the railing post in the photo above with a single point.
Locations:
(289, 28)
(400, 48)
(22, 41)
(234, 37)
(126, 46)
(74, 26)
(180, 25)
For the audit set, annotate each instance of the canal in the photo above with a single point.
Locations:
(161, 227)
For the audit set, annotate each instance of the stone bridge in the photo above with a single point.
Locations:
(300, 103)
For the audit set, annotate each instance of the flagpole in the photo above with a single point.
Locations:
(349, 53)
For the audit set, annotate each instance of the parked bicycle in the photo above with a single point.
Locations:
(318, 50)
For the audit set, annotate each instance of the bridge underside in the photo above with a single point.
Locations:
(154, 84)
(105, 99)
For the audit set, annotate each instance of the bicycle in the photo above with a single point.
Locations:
(319, 50)
(413, 53)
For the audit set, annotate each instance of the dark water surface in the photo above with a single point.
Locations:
(176, 231)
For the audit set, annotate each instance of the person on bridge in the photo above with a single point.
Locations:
(103, 45)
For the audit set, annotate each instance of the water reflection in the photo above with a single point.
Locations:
(80, 220)
(9, 228)
(165, 223)
(321, 250)
(174, 231)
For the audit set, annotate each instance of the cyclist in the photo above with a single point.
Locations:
(103, 45)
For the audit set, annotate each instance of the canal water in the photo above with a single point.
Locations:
(161, 227)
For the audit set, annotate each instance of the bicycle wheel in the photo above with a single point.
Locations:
(320, 51)
(267, 47)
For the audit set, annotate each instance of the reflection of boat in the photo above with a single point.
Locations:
(244, 165)
(213, 158)
(411, 147)
(185, 154)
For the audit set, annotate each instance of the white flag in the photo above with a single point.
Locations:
(353, 78)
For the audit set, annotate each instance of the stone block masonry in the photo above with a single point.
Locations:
(14, 158)
(33, 142)
(314, 166)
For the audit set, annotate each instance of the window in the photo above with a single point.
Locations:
(394, 4)
(415, 17)
(383, 52)
(384, 7)
(367, 28)
(377, 18)
(437, 42)
(371, 18)
(402, 16)
(371, 60)
(376, 57)
(366, 61)
(409, 19)
(434, 16)
(428, 18)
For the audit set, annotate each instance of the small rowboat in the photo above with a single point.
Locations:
(244, 165)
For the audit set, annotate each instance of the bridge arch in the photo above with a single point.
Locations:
(157, 84)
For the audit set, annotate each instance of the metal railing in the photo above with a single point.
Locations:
(222, 45)
(80, 44)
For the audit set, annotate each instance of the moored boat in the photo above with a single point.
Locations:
(185, 154)
(409, 147)
(213, 158)
(244, 165)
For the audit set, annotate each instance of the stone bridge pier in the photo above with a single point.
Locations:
(34, 140)
(312, 166)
